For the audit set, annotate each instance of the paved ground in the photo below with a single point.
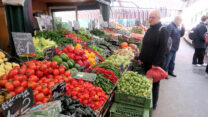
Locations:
(186, 95)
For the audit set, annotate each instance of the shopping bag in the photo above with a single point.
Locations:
(207, 38)
(156, 73)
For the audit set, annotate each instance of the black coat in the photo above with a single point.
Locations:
(175, 33)
(201, 30)
(154, 47)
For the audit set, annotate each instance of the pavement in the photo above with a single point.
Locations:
(187, 94)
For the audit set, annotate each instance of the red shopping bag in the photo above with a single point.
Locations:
(157, 74)
(207, 38)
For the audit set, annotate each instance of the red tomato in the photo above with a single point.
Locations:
(3, 82)
(18, 77)
(70, 48)
(22, 71)
(50, 70)
(9, 86)
(38, 103)
(43, 67)
(16, 83)
(67, 73)
(39, 74)
(49, 63)
(66, 80)
(56, 72)
(32, 66)
(33, 78)
(61, 70)
(39, 97)
(4, 77)
(35, 92)
(30, 72)
(32, 84)
(38, 88)
(49, 76)
(13, 93)
(24, 84)
(54, 64)
(51, 84)
(45, 100)
(19, 89)
(45, 91)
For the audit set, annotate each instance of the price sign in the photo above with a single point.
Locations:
(59, 89)
(50, 52)
(23, 43)
(70, 26)
(18, 104)
(76, 25)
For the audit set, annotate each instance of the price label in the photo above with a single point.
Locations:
(18, 104)
(70, 26)
(59, 89)
(76, 25)
(50, 52)
(23, 43)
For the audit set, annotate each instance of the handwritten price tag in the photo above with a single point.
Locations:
(59, 89)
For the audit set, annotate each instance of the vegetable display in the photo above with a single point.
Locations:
(41, 44)
(56, 36)
(107, 74)
(86, 93)
(72, 107)
(97, 49)
(110, 67)
(98, 33)
(137, 30)
(117, 60)
(78, 55)
(104, 83)
(125, 52)
(74, 37)
(132, 83)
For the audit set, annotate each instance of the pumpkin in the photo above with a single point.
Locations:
(133, 46)
(124, 45)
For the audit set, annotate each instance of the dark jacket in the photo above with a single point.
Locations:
(175, 33)
(154, 46)
(201, 30)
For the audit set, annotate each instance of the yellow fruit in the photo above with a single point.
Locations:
(8, 64)
(2, 55)
(1, 61)
(15, 64)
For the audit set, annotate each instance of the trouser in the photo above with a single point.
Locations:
(155, 93)
(198, 57)
(155, 88)
(170, 62)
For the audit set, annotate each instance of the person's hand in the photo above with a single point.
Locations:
(140, 62)
(154, 66)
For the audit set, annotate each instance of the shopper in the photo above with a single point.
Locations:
(153, 49)
(175, 33)
(200, 42)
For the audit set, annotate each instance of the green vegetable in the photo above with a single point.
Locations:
(65, 64)
(117, 60)
(70, 64)
(97, 49)
(77, 66)
(137, 30)
(110, 67)
(57, 59)
(74, 69)
(132, 83)
(104, 83)
(98, 33)
(64, 57)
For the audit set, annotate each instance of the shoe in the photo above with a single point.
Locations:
(172, 74)
(198, 65)
(204, 65)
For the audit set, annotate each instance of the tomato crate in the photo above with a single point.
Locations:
(133, 100)
(120, 110)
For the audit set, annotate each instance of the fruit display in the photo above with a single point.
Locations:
(117, 60)
(74, 37)
(40, 44)
(78, 55)
(4, 95)
(57, 36)
(86, 93)
(96, 49)
(5, 66)
(91, 57)
(72, 107)
(40, 75)
(119, 26)
(125, 52)
(134, 84)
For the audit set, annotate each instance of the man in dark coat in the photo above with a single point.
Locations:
(175, 34)
(200, 42)
(154, 49)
